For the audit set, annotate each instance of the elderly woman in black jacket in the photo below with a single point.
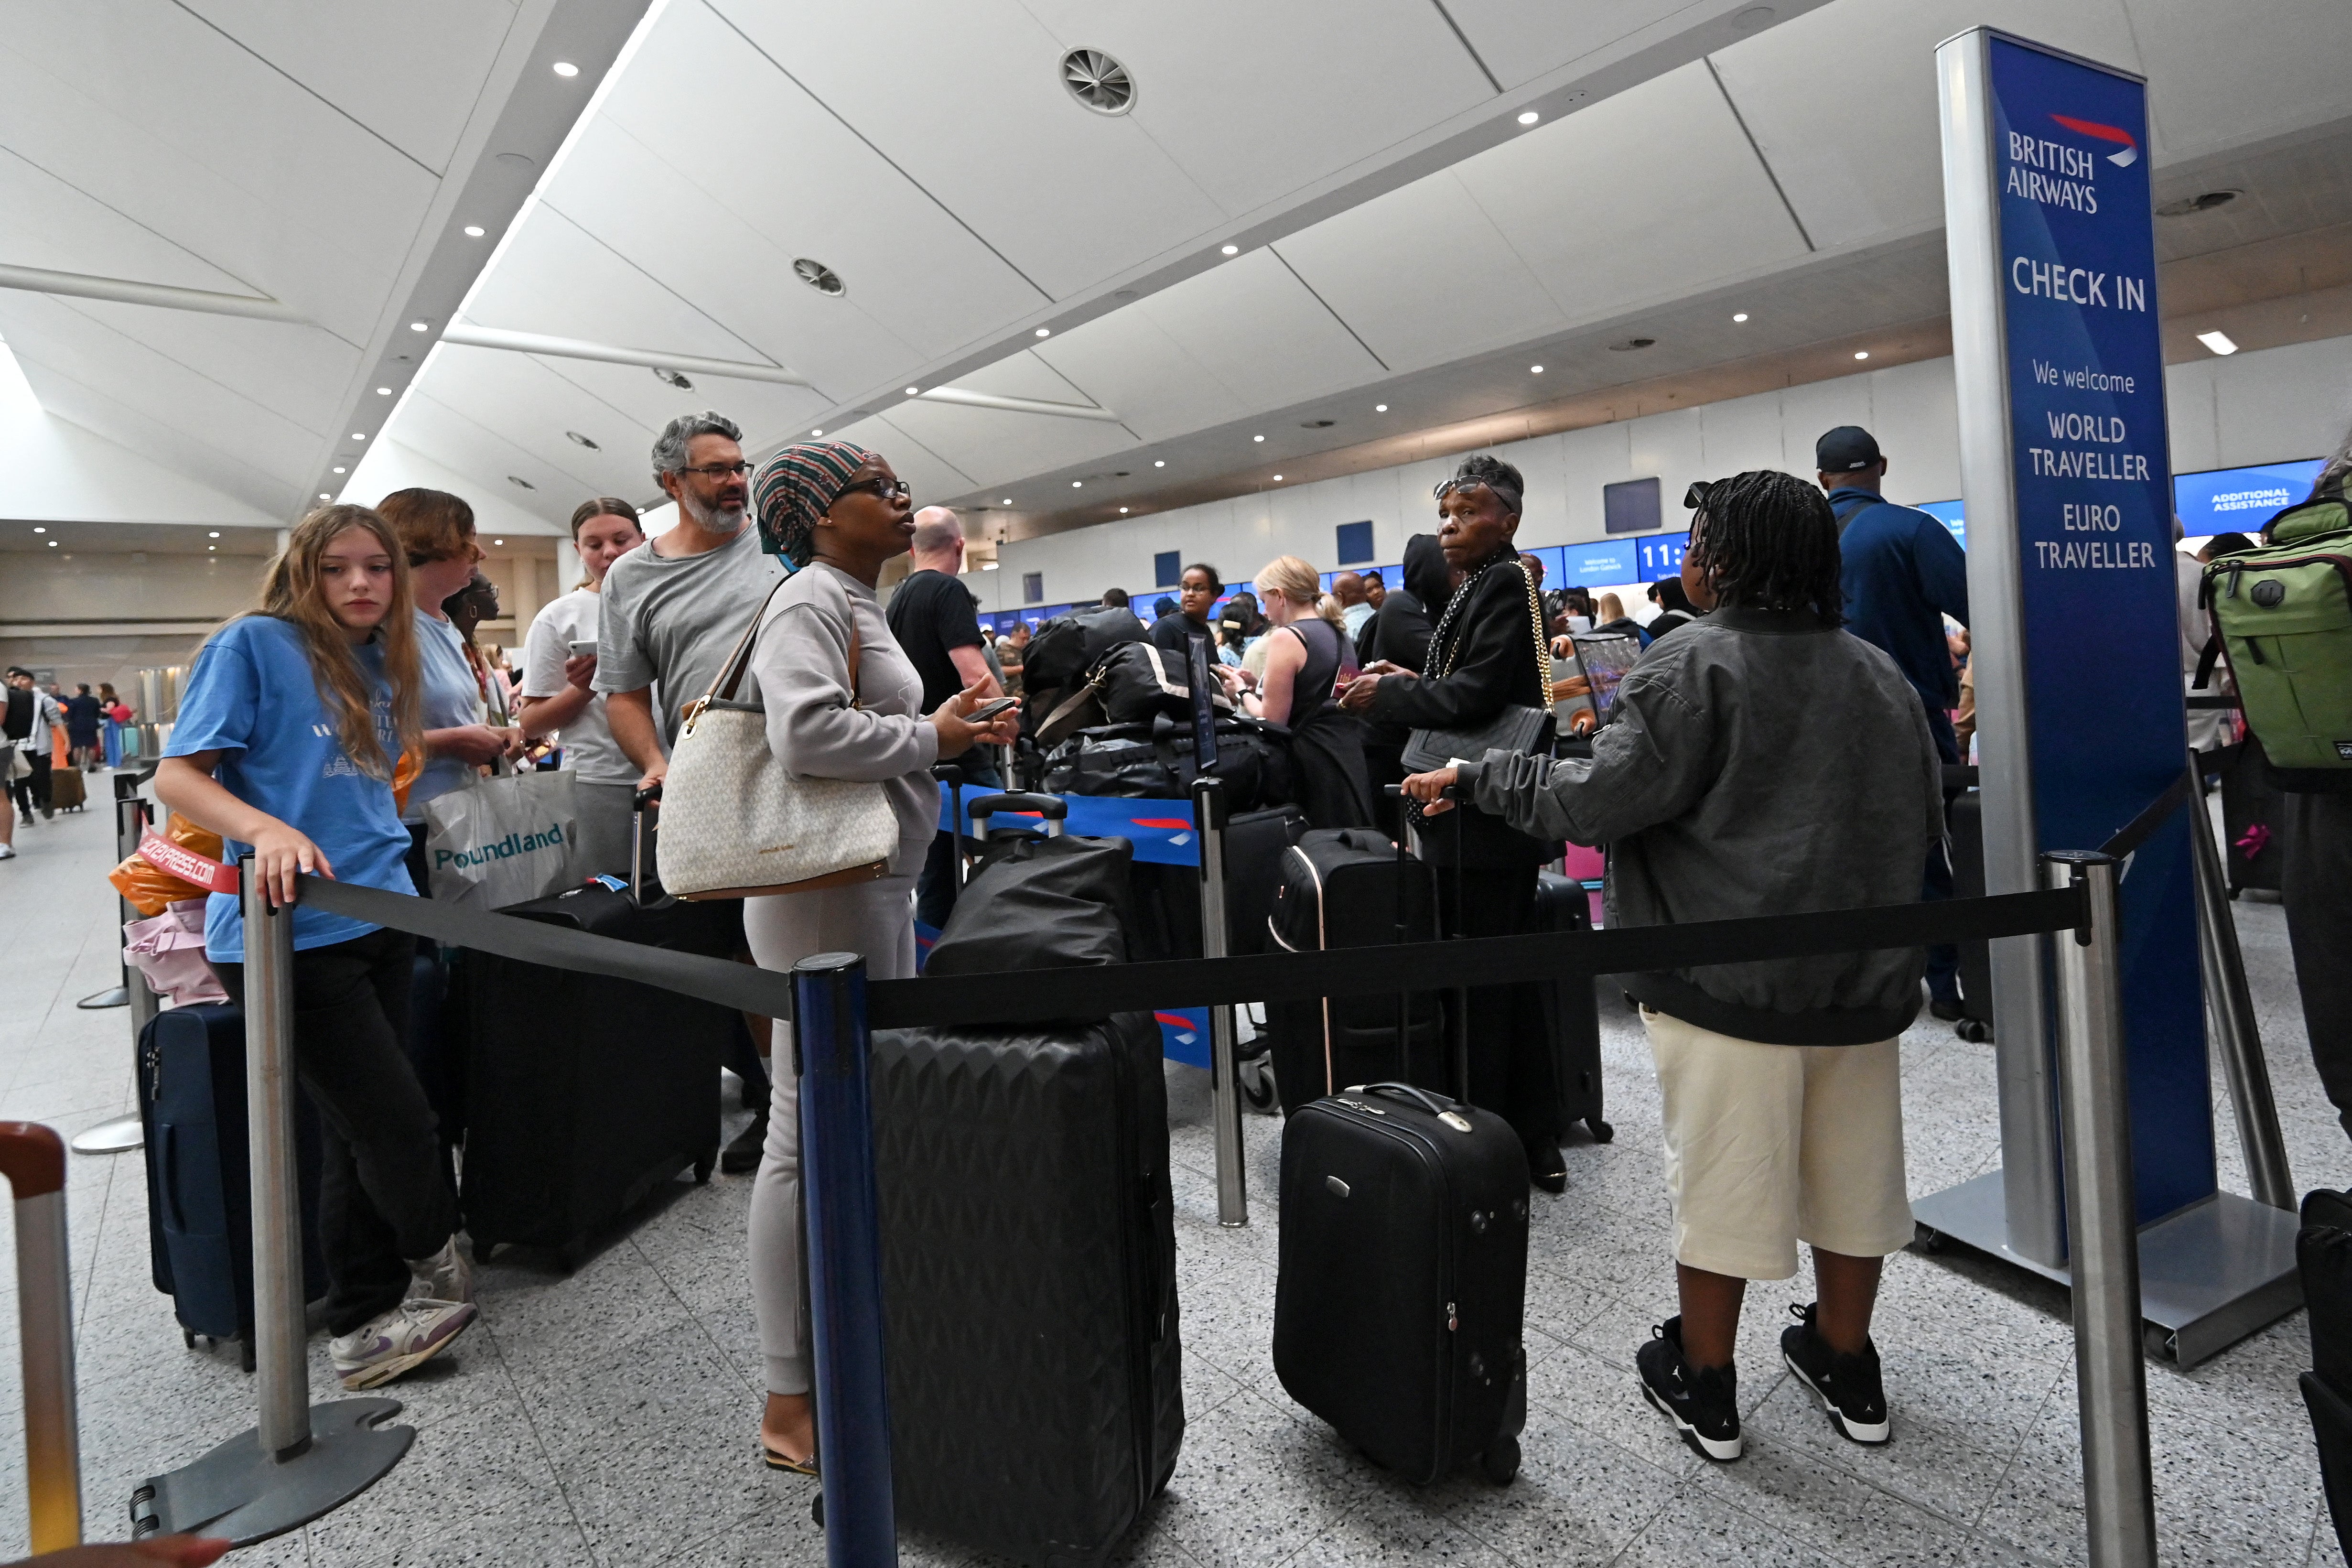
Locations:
(1485, 656)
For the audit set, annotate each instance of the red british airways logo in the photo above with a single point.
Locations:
(2127, 153)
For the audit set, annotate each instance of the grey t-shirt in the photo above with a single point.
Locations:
(669, 622)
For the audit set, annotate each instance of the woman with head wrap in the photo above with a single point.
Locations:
(1482, 658)
(837, 512)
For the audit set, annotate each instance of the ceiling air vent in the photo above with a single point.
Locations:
(2204, 202)
(1630, 345)
(1099, 81)
(519, 479)
(1314, 423)
(672, 378)
(577, 439)
(819, 276)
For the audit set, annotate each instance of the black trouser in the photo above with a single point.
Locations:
(1510, 1041)
(33, 789)
(383, 1189)
(2315, 886)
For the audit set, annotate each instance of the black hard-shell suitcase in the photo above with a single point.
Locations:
(1342, 887)
(1402, 1285)
(1966, 817)
(191, 1112)
(1571, 1015)
(2251, 811)
(1029, 1265)
(2322, 1250)
(586, 1093)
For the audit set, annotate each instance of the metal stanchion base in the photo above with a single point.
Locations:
(2209, 1276)
(117, 998)
(117, 1135)
(239, 1492)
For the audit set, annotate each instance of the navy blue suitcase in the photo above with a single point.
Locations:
(199, 1201)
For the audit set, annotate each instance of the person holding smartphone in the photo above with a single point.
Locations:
(558, 698)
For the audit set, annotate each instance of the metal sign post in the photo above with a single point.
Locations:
(2237, 1038)
(1225, 1089)
(2059, 365)
(301, 1460)
(34, 1161)
(121, 1134)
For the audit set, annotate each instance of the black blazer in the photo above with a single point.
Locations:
(1492, 665)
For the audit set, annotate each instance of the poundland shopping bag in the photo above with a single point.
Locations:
(503, 841)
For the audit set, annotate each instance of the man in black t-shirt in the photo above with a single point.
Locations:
(937, 622)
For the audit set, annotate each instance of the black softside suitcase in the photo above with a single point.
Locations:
(2251, 814)
(1166, 899)
(586, 1093)
(1342, 887)
(1571, 1013)
(191, 1112)
(1402, 1286)
(1029, 1266)
(2322, 1250)
(1966, 817)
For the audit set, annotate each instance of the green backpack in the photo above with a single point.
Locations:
(2283, 616)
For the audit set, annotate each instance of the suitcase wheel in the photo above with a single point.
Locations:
(1973, 1029)
(817, 1508)
(245, 1353)
(1602, 1133)
(1256, 1076)
(1501, 1462)
(702, 1169)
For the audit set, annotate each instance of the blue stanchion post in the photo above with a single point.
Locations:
(845, 1260)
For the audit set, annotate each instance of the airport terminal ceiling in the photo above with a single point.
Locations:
(1055, 259)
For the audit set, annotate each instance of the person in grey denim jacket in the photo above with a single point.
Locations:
(1761, 761)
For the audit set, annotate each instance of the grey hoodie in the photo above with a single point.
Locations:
(1760, 764)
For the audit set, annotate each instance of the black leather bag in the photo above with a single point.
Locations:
(1154, 762)
(1525, 731)
(1041, 905)
(1061, 659)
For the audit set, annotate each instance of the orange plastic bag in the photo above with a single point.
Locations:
(148, 889)
(404, 774)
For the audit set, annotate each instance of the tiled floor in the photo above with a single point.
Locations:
(607, 1417)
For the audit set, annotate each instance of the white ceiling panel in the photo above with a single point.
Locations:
(1393, 69)
(767, 411)
(298, 372)
(556, 278)
(1132, 364)
(1521, 40)
(462, 444)
(1067, 196)
(2216, 82)
(1027, 375)
(1857, 150)
(69, 398)
(720, 113)
(1262, 332)
(928, 475)
(704, 252)
(1609, 207)
(1423, 276)
(519, 398)
(411, 73)
(52, 225)
(995, 445)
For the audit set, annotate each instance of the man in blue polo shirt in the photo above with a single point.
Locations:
(1902, 573)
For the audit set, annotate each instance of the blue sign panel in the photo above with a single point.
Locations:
(1951, 514)
(2240, 500)
(2091, 472)
(1599, 565)
(1661, 555)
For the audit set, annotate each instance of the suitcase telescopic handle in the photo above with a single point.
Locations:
(1052, 807)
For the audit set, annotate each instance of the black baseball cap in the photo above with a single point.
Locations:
(1844, 450)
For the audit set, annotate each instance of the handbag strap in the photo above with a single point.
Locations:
(1535, 622)
(730, 674)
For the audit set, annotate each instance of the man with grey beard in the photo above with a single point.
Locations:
(673, 610)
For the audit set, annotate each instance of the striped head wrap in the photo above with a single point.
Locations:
(792, 489)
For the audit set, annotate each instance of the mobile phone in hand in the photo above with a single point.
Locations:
(987, 710)
(583, 649)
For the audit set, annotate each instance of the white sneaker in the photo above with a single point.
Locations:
(444, 1277)
(398, 1341)
(7, 851)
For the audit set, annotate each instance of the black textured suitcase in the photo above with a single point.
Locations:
(191, 1112)
(1966, 817)
(1401, 1283)
(1342, 887)
(2323, 1251)
(1571, 1013)
(2252, 854)
(584, 1092)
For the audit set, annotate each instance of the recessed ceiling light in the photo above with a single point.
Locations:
(339, 470)
(38, 529)
(1535, 370)
(2220, 342)
(1277, 479)
(989, 565)
(383, 392)
(1232, 250)
(214, 533)
(52, 543)
(1257, 438)
(497, 542)
(1740, 315)
(325, 496)
(566, 68)
(1159, 462)
(420, 326)
(1380, 408)
(1862, 354)
(211, 547)
(913, 392)
(1044, 331)
(1008, 501)
(577, 439)
(816, 432)
(473, 231)
(1077, 484)
(1122, 511)
(359, 434)
(1530, 117)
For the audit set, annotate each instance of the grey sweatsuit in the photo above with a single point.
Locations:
(1760, 763)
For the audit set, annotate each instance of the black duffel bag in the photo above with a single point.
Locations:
(1154, 762)
(1059, 664)
(1039, 905)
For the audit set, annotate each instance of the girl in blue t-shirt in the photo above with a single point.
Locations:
(290, 724)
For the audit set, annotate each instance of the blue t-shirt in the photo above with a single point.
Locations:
(1902, 572)
(252, 698)
(451, 697)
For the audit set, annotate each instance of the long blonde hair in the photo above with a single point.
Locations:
(1296, 581)
(290, 593)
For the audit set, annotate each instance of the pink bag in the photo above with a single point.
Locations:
(168, 950)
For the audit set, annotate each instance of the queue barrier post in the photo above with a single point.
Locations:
(121, 1134)
(2229, 1005)
(2102, 1231)
(34, 1160)
(832, 1051)
(299, 1460)
(1208, 818)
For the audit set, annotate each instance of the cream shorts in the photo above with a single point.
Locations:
(1770, 1145)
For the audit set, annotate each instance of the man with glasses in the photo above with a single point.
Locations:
(937, 622)
(673, 610)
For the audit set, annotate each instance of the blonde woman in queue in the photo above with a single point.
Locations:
(1309, 655)
(837, 512)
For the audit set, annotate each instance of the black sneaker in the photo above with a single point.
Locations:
(1849, 1387)
(743, 1154)
(1946, 1009)
(1702, 1403)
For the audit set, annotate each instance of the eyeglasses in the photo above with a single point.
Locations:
(884, 489)
(720, 470)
